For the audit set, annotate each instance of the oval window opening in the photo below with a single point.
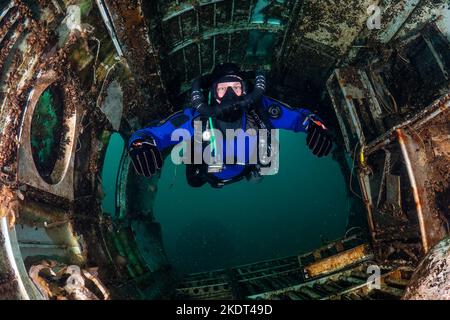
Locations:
(47, 132)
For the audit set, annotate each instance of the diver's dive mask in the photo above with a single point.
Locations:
(228, 88)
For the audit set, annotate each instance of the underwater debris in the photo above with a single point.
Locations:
(57, 281)
(9, 204)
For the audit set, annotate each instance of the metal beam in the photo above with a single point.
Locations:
(292, 18)
(214, 37)
(180, 26)
(223, 31)
(250, 11)
(199, 48)
(6, 10)
(415, 121)
(7, 250)
(185, 7)
(109, 25)
(230, 35)
(399, 21)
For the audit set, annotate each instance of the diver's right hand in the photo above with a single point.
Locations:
(146, 157)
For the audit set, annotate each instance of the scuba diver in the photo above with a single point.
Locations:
(231, 105)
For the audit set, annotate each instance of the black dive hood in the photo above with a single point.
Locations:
(243, 103)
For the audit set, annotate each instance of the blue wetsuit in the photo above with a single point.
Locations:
(280, 116)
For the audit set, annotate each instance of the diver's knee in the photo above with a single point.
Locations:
(194, 177)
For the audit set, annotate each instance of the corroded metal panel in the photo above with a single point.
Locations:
(420, 175)
(339, 261)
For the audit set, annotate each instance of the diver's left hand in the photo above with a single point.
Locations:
(318, 138)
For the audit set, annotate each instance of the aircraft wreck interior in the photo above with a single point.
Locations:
(76, 75)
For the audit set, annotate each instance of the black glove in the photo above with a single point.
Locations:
(146, 157)
(318, 138)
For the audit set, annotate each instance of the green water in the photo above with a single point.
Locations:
(294, 211)
(45, 131)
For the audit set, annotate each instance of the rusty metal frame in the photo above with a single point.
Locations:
(414, 121)
(13, 21)
(339, 261)
(351, 109)
(374, 105)
(366, 192)
(335, 104)
(409, 150)
(405, 144)
(27, 171)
